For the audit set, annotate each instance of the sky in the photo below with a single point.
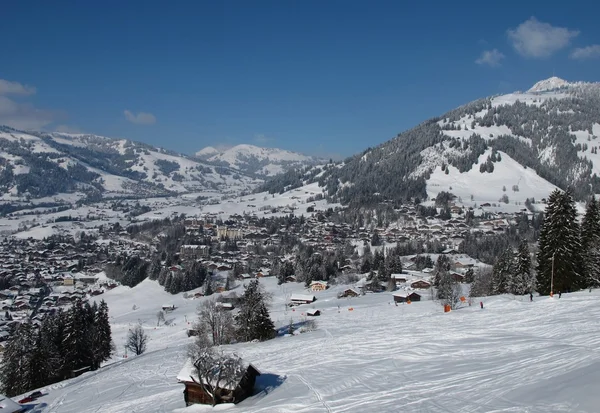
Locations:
(322, 77)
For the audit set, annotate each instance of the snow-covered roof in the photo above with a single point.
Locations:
(188, 371)
(8, 405)
(302, 297)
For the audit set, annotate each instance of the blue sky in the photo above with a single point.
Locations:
(322, 77)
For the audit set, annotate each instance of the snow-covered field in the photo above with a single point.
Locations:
(513, 356)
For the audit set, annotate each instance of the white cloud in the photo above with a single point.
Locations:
(588, 52)
(15, 88)
(141, 118)
(24, 115)
(535, 39)
(490, 57)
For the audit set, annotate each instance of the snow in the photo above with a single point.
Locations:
(208, 151)
(513, 356)
(487, 187)
(549, 84)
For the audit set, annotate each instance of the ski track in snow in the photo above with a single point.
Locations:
(513, 356)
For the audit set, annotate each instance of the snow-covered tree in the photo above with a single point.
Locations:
(503, 272)
(590, 243)
(101, 336)
(449, 290)
(442, 267)
(482, 283)
(560, 246)
(253, 320)
(15, 375)
(522, 281)
(217, 372)
(216, 321)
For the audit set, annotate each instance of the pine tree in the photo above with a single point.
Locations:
(442, 266)
(503, 272)
(253, 319)
(102, 341)
(560, 246)
(590, 243)
(470, 276)
(76, 343)
(14, 369)
(522, 281)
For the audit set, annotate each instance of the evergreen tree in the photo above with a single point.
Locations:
(442, 267)
(76, 343)
(590, 243)
(503, 272)
(560, 246)
(522, 281)
(253, 320)
(470, 276)
(102, 341)
(14, 370)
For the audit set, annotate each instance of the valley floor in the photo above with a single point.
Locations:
(512, 356)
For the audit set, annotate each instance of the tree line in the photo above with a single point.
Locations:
(64, 343)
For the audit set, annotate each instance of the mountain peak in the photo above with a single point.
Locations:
(549, 84)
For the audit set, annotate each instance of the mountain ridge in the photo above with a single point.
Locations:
(38, 165)
(256, 160)
(552, 130)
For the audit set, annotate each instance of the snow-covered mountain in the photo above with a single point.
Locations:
(256, 160)
(499, 149)
(39, 165)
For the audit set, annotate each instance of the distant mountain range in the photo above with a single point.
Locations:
(37, 165)
(254, 160)
(498, 149)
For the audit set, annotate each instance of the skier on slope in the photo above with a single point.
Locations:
(481, 304)
(530, 296)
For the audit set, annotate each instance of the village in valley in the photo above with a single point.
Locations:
(214, 256)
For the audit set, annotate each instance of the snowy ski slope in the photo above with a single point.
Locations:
(513, 356)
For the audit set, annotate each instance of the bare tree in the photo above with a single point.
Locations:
(218, 375)
(160, 316)
(217, 321)
(136, 340)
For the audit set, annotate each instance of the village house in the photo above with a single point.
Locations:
(318, 286)
(298, 299)
(238, 388)
(403, 297)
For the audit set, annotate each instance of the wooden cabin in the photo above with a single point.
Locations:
(195, 394)
(297, 299)
(349, 292)
(403, 297)
(421, 284)
(313, 313)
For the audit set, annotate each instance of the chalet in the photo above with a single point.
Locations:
(402, 297)
(168, 307)
(313, 313)
(298, 299)
(457, 277)
(318, 285)
(450, 251)
(290, 279)
(348, 292)
(235, 391)
(399, 278)
(421, 284)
